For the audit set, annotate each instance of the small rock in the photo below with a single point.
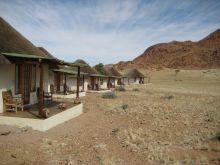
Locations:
(216, 149)
(204, 148)
(171, 159)
(5, 133)
(114, 131)
(13, 156)
(162, 161)
(45, 112)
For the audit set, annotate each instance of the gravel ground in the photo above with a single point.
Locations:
(143, 125)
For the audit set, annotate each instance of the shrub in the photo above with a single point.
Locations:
(168, 97)
(120, 88)
(136, 89)
(109, 95)
(124, 106)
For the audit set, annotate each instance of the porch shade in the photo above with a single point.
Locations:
(28, 56)
(98, 75)
(12, 56)
(68, 71)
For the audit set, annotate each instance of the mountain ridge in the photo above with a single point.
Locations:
(204, 53)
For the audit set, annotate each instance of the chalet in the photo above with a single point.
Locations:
(93, 80)
(115, 78)
(63, 79)
(25, 80)
(133, 76)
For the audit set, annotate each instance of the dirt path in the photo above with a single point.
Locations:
(141, 126)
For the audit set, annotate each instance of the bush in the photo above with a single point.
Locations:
(120, 88)
(135, 89)
(109, 95)
(168, 97)
(124, 106)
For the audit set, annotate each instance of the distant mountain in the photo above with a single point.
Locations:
(108, 66)
(188, 55)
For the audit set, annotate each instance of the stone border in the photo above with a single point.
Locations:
(69, 96)
(46, 124)
(102, 91)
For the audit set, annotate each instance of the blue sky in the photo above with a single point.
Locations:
(109, 31)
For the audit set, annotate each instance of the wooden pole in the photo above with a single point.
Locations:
(65, 92)
(22, 83)
(92, 82)
(41, 97)
(83, 82)
(78, 79)
(114, 82)
(108, 83)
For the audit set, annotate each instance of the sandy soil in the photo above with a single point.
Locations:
(173, 120)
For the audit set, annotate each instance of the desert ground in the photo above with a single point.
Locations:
(174, 119)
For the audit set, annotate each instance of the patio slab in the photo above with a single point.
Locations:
(43, 124)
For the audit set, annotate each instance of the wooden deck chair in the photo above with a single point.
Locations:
(12, 103)
(48, 96)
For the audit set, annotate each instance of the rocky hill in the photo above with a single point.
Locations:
(188, 55)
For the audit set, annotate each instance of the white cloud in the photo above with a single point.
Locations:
(109, 31)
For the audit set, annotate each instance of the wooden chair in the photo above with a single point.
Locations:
(48, 96)
(12, 103)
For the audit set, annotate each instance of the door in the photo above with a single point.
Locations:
(25, 80)
(57, 82)
(93, 82)
(27, 83)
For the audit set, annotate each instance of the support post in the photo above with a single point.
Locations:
(83, 83)
(114, 82)
(78, 79)
(41, 97)
(65, 86)
(108, 83)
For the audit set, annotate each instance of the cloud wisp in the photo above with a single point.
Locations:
(109, 31)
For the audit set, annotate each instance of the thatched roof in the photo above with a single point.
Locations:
(11, 41)
(48, 54)
(114, 72)
(134, 73)
(86, 67)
